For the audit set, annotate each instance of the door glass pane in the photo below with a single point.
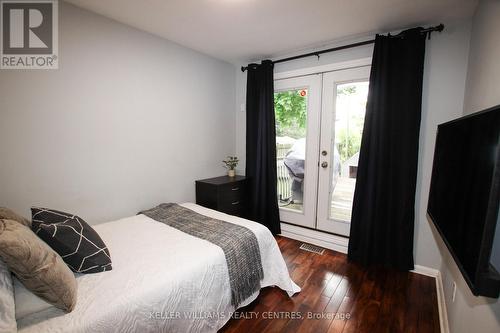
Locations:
(350, 107)
(290, 107)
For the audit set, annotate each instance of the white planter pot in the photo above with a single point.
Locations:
(231, 173)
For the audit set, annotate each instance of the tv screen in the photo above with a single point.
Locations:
(495, 251)
(465, 193)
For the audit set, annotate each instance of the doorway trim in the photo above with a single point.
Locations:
(326, 220)
(336, 66)
(307, 216)
(317, 237)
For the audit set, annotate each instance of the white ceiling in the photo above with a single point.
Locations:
(242, 30)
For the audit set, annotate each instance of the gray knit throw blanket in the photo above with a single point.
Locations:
(239, 244)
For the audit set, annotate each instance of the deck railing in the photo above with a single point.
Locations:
(284, 180)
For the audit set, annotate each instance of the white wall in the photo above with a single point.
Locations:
(129, 120)
(469, 313)
(240, 119)
(445, 72)
(483, 76)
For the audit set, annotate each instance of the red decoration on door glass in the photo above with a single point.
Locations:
(303, 93)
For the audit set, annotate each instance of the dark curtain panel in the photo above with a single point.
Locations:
(384, 199)
(261, 146)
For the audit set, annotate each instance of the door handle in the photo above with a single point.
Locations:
(324, 165)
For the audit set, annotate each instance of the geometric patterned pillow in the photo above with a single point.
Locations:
(73, 239)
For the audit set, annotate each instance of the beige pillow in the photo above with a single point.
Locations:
(37, 266)
(8, 214)
(7, 303)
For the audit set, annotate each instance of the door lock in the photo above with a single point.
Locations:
(324, 165)
(324, 152)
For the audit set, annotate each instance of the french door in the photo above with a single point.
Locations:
(296, 102)
(319, 123)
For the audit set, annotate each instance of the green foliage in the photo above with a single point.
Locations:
(346, 90)
(348, 144)
(349, 139)
(291, 113)
(231, 162)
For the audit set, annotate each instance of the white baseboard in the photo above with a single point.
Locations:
(427, 271)
(328, 241)
(443, 314)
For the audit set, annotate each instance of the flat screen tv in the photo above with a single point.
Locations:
(465, 194)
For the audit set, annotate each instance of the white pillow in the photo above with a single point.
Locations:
(7, 304)
(26, 302)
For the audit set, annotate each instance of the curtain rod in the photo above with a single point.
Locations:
(437, 28)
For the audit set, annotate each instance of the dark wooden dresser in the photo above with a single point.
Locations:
(225, 194)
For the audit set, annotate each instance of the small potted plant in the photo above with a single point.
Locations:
(230, 164)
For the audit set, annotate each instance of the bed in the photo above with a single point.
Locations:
(163, 280)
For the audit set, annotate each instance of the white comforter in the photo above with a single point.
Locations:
(163, 280)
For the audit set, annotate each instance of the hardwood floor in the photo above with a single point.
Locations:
(338, 296)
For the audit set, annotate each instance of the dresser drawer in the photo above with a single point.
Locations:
(231, 194)
(233, 187)
(237, 208)
(225, 194)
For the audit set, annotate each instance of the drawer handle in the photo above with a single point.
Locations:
(235, 203)
(235, 189)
